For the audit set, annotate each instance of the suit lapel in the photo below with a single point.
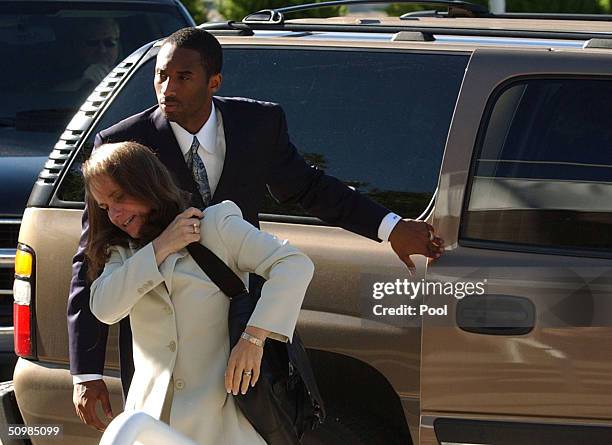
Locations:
(235, 142)
(170, 153)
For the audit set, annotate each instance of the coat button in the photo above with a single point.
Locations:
(179, 383)
(172, 346)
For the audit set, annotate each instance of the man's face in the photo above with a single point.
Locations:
(100, 45)
(184, 91)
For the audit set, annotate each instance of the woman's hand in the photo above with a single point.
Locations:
(245, 357)
(184, 230)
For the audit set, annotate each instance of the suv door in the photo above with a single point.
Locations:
(524, 206)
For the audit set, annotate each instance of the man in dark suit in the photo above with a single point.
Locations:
(234, 148)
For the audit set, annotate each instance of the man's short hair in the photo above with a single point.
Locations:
(204, 43)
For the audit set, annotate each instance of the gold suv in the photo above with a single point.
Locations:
(496, 129)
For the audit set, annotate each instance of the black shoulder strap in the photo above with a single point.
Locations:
(217, 270)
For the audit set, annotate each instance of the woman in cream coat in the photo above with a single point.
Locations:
(185, 373)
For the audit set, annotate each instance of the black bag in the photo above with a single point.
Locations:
(286, 401)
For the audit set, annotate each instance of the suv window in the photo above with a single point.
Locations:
(543, 173)
(50, 45)
(376, 120)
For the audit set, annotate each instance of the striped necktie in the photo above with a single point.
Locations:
(195, 164)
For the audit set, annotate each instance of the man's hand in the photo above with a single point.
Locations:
(410, 237)
(85, 397)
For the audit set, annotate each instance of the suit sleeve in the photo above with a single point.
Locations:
(123, 283)
(86, 335)
(292, 180)
(287, 270)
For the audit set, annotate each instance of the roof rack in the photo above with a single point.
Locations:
(553, 16)
(516, 15)
(242, 28)
(456, 8)
(274, 19)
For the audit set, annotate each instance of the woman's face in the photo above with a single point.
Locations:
(123, 210)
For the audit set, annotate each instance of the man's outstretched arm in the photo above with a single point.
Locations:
(291, 179)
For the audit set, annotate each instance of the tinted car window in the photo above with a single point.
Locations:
(58, 51)
(543, 174)
(376, 120)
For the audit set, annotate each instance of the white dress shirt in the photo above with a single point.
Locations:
(212, 145)
(212, 152)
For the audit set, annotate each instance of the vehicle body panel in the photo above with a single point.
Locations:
(559, 370)
(20, 172)
(329, 321)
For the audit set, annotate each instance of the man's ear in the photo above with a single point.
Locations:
(214, 83)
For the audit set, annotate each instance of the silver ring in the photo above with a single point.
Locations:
(195, 227)
(431, 235)
(247, 373)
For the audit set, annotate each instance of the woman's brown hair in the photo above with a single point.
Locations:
(138, 172)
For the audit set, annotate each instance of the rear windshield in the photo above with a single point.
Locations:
(54, 53)
(376, 120)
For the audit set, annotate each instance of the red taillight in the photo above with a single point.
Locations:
(21, 323)
(23, 309)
